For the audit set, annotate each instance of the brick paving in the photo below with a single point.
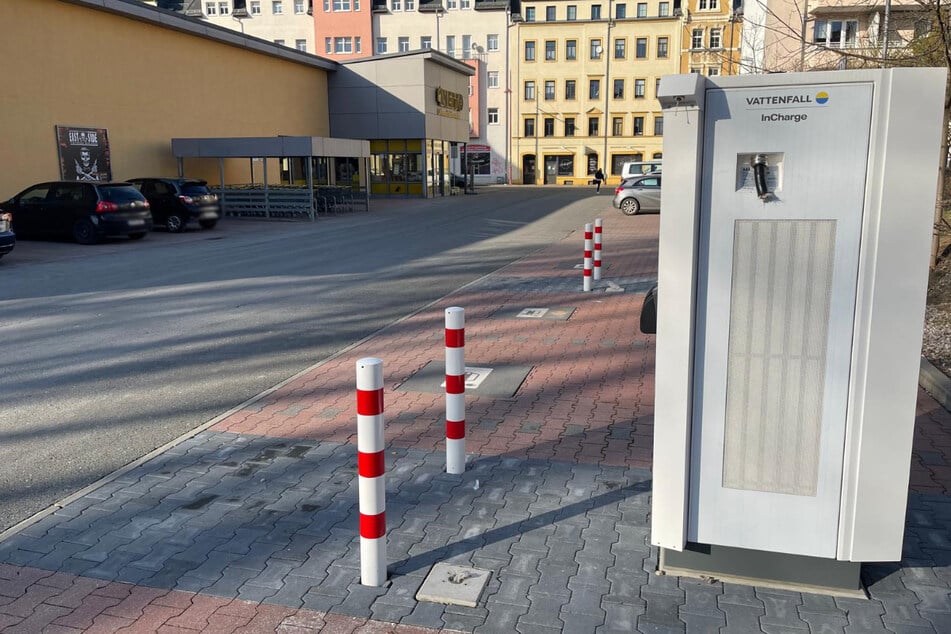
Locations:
(250, 524)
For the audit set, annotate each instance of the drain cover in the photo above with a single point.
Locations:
(453, 585)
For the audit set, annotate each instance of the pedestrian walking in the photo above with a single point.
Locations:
(598, 179)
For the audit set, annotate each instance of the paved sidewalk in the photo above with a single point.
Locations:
(251, 524)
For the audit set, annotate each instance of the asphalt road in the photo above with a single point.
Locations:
(112, 350)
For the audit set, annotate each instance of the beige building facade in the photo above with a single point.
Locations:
(585, 86)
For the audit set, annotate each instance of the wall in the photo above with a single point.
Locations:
(144, 84)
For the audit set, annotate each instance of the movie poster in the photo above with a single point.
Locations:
(83, 154)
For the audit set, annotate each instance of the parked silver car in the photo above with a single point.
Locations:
(641, 193)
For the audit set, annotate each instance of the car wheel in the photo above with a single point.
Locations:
(175, 223)
(137, 236)
(84, 232)
(207, 224)
(630, 206)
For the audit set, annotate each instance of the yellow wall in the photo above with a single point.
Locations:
(64, 64)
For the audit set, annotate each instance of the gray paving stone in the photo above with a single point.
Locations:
(512, 590)
(461, 622)
(531, 628)
(232, 578)
(502, 619)
(320, 602)
(359, 599)
(825, 624)
(389, 613)
(592, 572)
(774, 625)
(741, 618)
(581, 622)
(586, 601)
(662, 610)
(621, 618)
(255, 593)
(700, 599)
(425, 614)
(703, 623)
(940, 619)
(901, 614)
(544, 611)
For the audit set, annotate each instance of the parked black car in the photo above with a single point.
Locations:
(8, 239)
(177, 201)
(85, 211)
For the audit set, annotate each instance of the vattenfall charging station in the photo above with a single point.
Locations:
(795, 235)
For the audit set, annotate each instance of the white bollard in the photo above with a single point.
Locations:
(597, 249)
(370, 471)
(455, 390)
(587, 257)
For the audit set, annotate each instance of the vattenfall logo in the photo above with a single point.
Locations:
(821, 98)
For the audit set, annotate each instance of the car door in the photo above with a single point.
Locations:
(162, 198)
(29, 210)
(67, 203)
(647, 192)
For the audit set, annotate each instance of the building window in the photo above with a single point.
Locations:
(549, 126)
(619, 89)
(357, 46)
(638, 126)
(529, 51)
(255, 7)
(662, 47)
(341, 5)
(549, 50)
(450, 4)
(658, 126)
(493, 116)
(492, 42)
(328, 44)
(396, 5)
(326, 6)
(224, 8)
(715, 38)
(549, 90)
(569, 126)
(550, 15)
(403, 44)
(211, 8)
(380, 45)
(620, 11)
(617, 126)
(572, 13)
(620, 48)
(569, 89)
(451, 45)
(836, 33)
(300, 45)
(656, 86)
(466, 46)
(529, 91)
(410, 5)
(426, 41)
(593, 126)
(529, 127)
(463, 4)
(713, 71)
(343, 45)
(596, 49)
(277, 7)
(595, 11)
(704, 5)
(663, 9)
(594, 89)
(529, 17)
(639, 87)
(300, 7)
(696, 38)
(640, 46)
(571, 49)
(492, 79)
(642, 9)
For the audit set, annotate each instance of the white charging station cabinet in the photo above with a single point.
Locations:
(795, 233)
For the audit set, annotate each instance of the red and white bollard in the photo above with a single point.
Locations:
(587, 257)
(371, 468)
(455, 390)
(597, 249)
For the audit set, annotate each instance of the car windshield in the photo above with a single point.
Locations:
(119, 193)
(194, 189)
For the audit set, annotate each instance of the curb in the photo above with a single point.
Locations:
(935, 383)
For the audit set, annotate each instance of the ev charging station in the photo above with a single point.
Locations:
(795, 237)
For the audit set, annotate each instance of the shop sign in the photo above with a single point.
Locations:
(449, 104)
(83, 154)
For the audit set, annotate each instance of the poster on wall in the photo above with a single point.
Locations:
(83, 154)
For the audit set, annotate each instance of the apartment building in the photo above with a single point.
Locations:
(711, 37)
(790, 35)
(585, 87)
(285, 22)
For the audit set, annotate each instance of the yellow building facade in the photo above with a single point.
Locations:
(712, 38)
(584, 87)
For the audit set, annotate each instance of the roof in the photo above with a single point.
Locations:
(279, 146)
(427, 53)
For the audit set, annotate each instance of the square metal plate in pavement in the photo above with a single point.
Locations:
(453, 585)
(494, 381)
(555, 313)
